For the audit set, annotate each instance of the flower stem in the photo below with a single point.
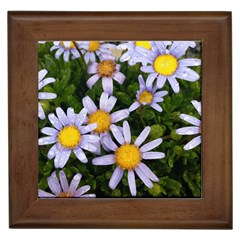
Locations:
(141, 111)
(84, 63)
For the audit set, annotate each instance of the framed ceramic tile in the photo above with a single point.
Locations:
(114, 119)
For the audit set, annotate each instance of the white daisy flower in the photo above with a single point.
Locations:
(196, 129)
(41, 42)
(93, 48)
(66, 48)
(44, 95)
(165, 64)
(68, 135)
(63, 190)
(102, 117)
(131, 55)
(147, 95)
(107, 69)
(129, 157)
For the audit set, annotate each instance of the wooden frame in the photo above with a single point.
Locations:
(213, 210)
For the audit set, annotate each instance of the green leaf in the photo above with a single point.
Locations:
(175, 136)
(123, 98)
(148, 114)
(177, 100)
(155, 191)
(157, 131)
(51, 64)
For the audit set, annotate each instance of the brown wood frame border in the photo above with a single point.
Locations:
(213, 210)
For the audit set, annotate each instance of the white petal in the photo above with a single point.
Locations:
(188, 131)
(42, 74)
(151, 145)
(156, 107)
(89, 105)
(187, 74)
(153, 155)
(143, 177)
(49, 131)
(119, 77)
(104, 160)
(103, 102)
(117, 134)
(109, 143)
(54, 121)
(41, 113)
(132, 182)
(151, 78)
(62, 116)
(148, 69)
(80, 155)
(197, 106)
(126, 56)
(161, 81)
(111, 103)
(107, 85)
(90, 138)
(46, 95)
(190, 119)
(160, 46)
(188, 62)
(43, 194)
(92, 80)
(142, 137)
(71, 115)
(74, 184)
(75, 53)
(82, 190)
(53, 184)
(160, 94)
(80, 118)
(59, 52)
(88, 196)
(174, 84)
(64, 157)
(88, 128)
(126, 132)
(193, 143)
(63, 181)
(92, 68)
(147, 172)
(66, 55)
(116, 178)
(45, 82)
(88, 146)
(134, 106)
(47, 140)
(119, 115)
(58, 154)
(52, 152)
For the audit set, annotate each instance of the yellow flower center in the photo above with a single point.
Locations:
(128, 156)
(102, 119)
(68, 44)
(106, 68)
(64, 195)
(144, 44)
(165, 64)
(94, 46)
(146, 97)
(69, 137)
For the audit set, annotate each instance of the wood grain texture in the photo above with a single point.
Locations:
(213, 210)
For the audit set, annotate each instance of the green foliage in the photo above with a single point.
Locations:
(179, 172)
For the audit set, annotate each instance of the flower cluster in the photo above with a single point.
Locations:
(84, 130)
